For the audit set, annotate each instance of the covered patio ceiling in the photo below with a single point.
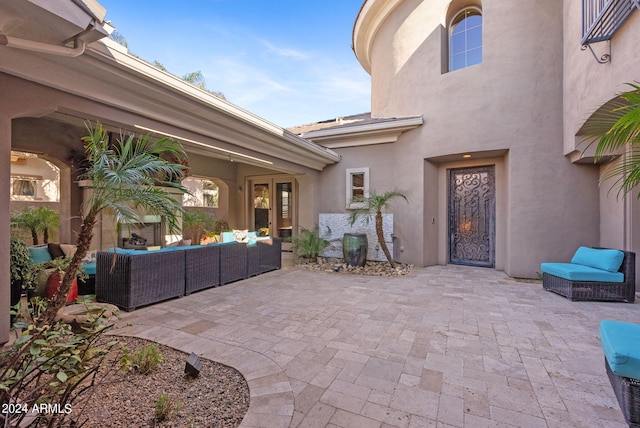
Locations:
(127, 93)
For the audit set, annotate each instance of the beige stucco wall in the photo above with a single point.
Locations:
(587, 86)
(389, 169)
(308, 199)
(612, 216)
(510, 103)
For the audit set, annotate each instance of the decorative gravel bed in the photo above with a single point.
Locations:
(218, 397)
(339, 267)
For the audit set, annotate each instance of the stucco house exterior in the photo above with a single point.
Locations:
(476, 113)
(58, 69)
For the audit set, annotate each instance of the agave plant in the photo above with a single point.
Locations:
(373, 205)
(125, 182)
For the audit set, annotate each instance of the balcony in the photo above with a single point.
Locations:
(602, 18)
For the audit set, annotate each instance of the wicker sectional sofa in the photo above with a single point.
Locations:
(133, 278)
(599, 274)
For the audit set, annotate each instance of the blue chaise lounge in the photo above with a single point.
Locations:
(593, 274)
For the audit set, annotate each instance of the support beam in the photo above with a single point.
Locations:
(5, 177)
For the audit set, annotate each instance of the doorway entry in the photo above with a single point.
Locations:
(472, 216)
(272, 207)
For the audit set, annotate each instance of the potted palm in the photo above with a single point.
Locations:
(57, 269)
(51, 274)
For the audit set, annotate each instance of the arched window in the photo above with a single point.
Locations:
(204, 193)
(465, 39)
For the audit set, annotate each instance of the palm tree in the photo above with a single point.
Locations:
(125, 181)
(119, 39)
(375, 204)
(37, 220)
(49, 221)
(614, 128)
(196, 78)
(27, 220)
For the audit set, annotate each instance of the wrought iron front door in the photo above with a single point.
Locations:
(472, 216)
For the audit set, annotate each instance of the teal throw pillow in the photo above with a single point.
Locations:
(39, 254)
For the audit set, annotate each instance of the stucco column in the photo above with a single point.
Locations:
(5, 177)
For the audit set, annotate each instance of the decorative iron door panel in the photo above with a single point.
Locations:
(472, 216)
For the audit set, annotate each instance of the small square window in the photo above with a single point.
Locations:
(357, 186)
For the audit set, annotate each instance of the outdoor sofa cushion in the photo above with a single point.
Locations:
(179, 248)
(599, 258)
(576, 272)
(621, 346)
(90, 268)
(39, 254)
(54, 250)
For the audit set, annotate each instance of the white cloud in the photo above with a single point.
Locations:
(283, 84)
(287, 53)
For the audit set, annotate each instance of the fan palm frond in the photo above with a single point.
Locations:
(372, 206)
(128, 178)
(615, 129)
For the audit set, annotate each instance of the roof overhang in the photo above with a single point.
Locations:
(56, 23)
(106, 73)
(383, 132)
(372, 15)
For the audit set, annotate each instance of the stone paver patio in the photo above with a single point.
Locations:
(448, 346)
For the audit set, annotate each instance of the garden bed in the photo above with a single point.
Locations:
(218, 397)
(338, 266)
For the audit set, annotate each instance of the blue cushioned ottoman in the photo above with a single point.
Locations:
(621, 346)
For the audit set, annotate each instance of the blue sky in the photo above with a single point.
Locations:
(288, 61)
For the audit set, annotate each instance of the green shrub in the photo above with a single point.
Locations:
(51, 365)
(20, 261)
(309, 243)
(166, 407)
(144, 361)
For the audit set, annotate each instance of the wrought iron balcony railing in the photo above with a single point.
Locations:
(602, 18)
